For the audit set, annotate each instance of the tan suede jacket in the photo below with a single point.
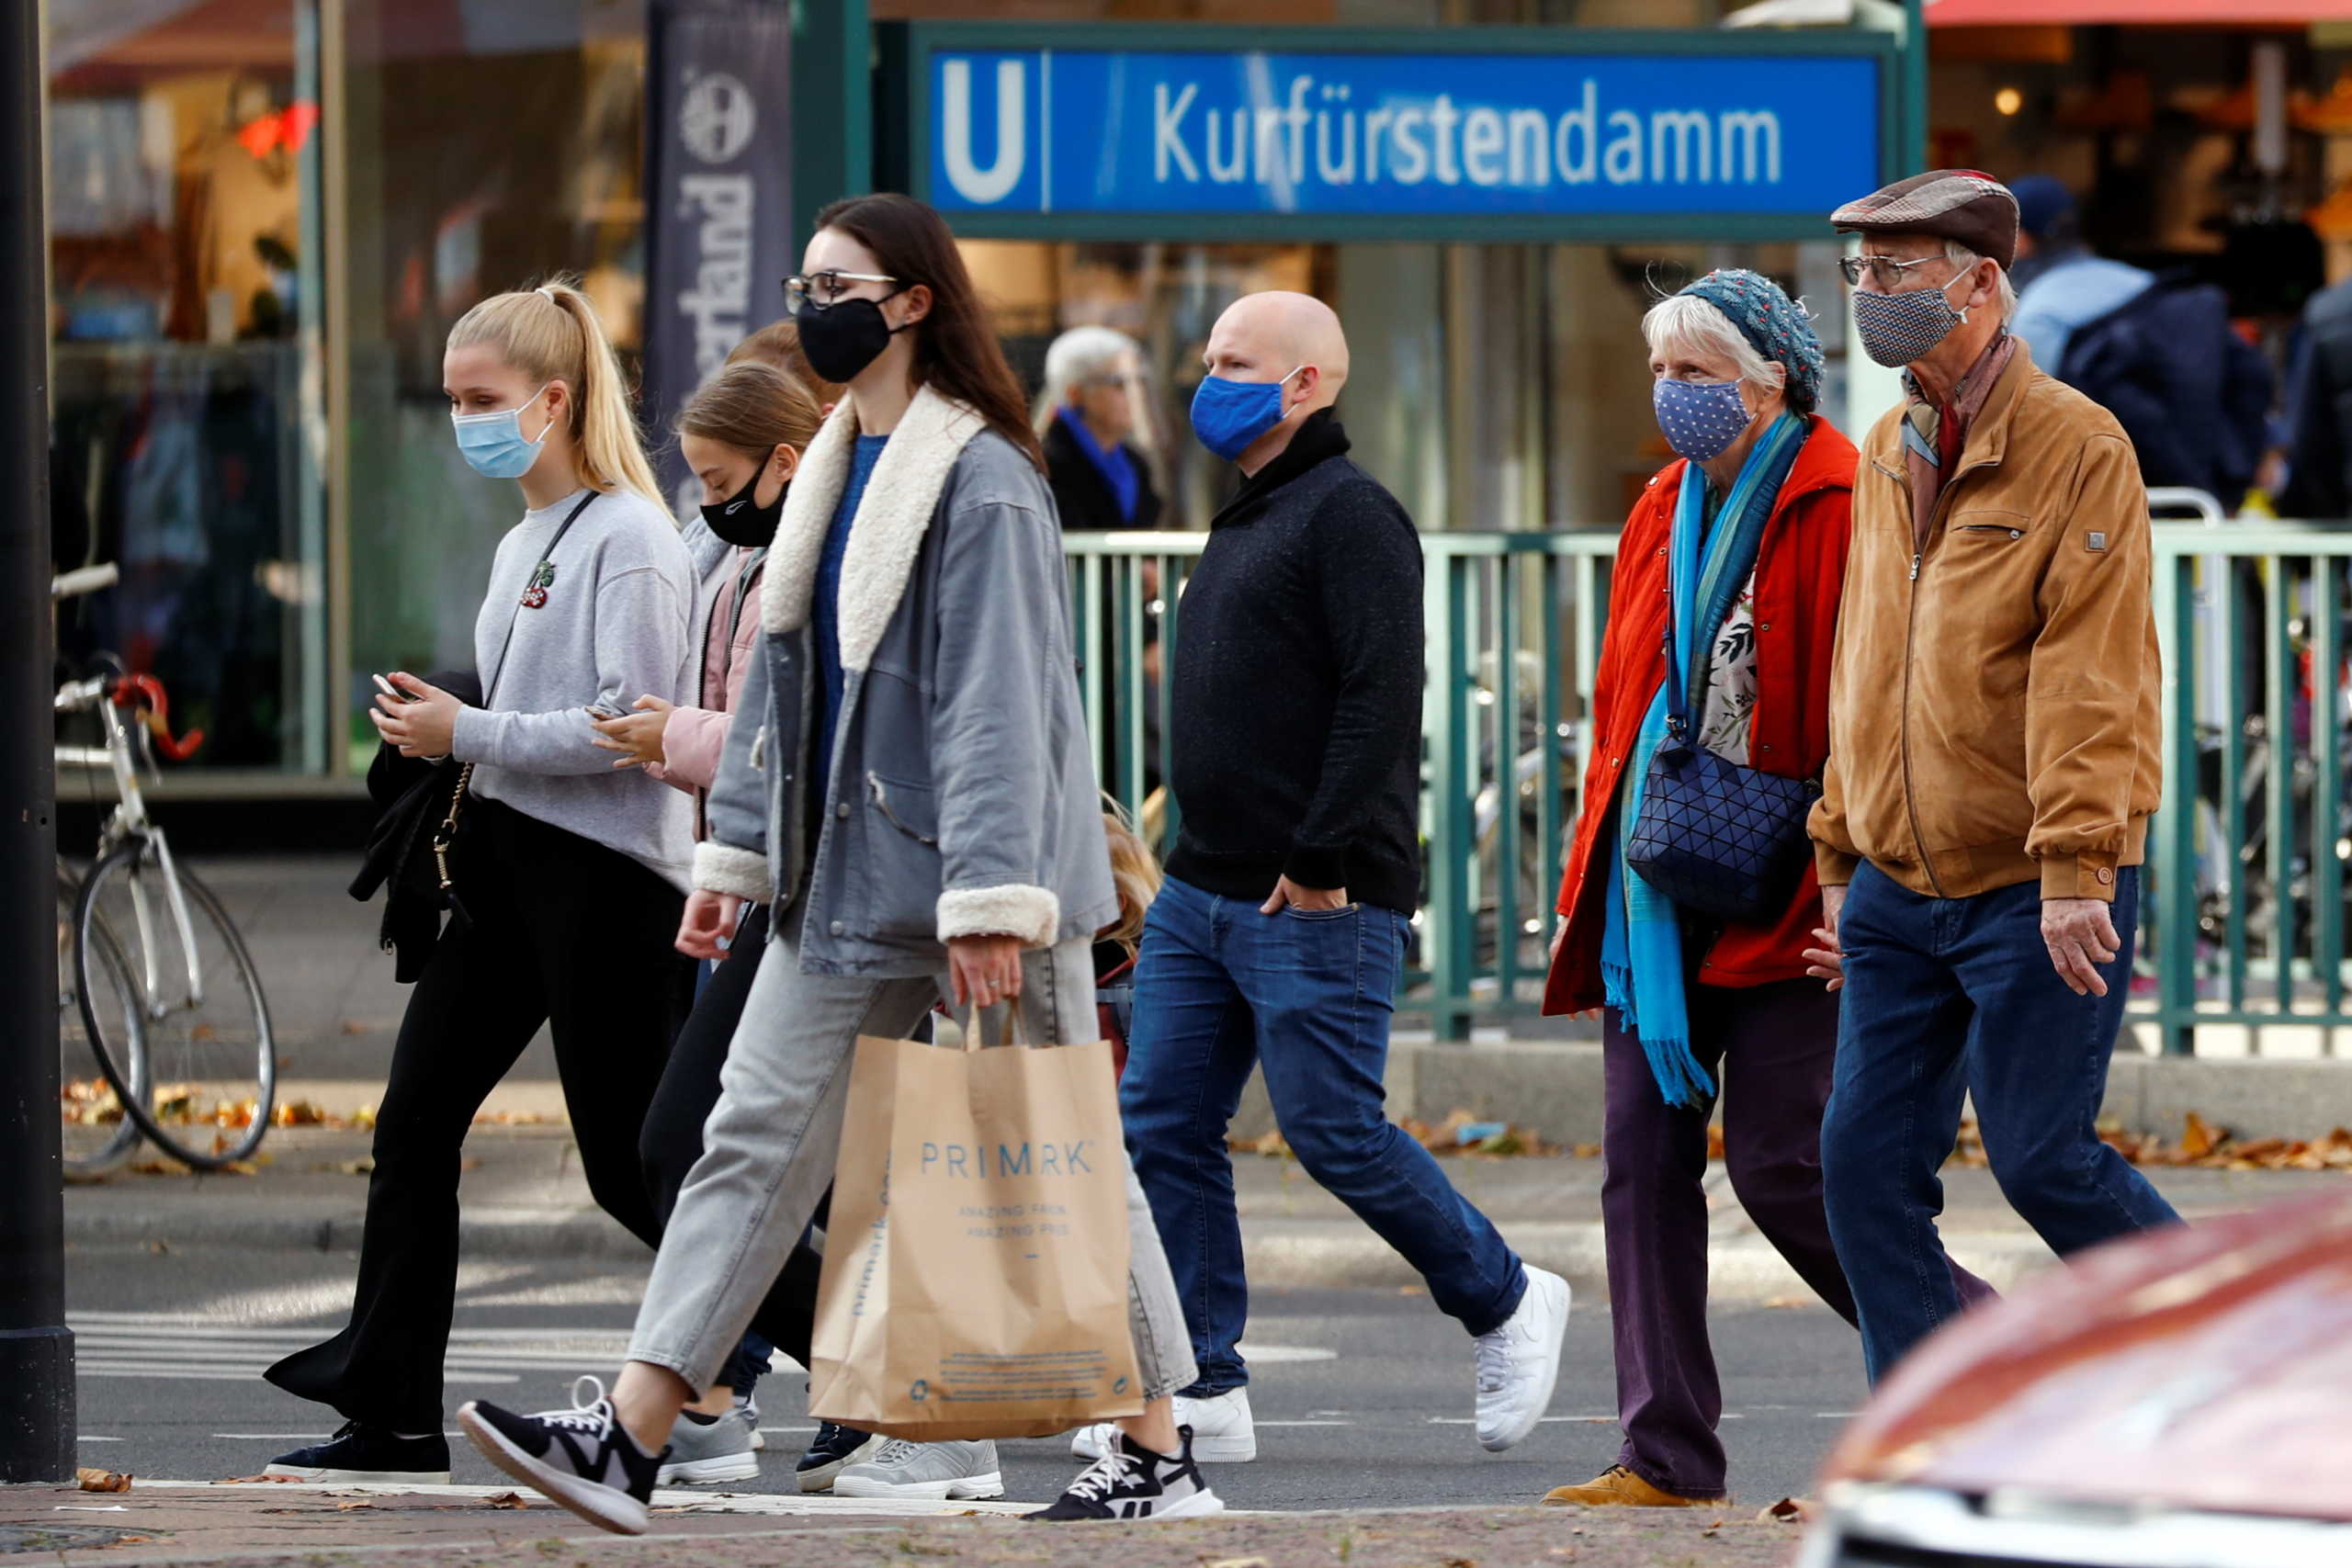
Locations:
(1992, 708)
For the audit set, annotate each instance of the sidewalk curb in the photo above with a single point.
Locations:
(1284, 1254)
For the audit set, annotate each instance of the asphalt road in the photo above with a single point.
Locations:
(1363, 1397)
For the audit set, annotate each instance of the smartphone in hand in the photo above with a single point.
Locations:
(394, 691)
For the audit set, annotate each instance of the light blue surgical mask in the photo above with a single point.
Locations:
(493, 443)
(1228, 415)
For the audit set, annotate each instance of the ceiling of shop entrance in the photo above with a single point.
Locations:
(2149, 13)
(134, 37)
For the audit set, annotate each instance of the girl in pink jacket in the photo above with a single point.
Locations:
(742, 436)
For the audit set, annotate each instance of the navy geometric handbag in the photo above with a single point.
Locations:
(1714, 837)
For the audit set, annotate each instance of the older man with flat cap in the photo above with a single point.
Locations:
(1993, 762)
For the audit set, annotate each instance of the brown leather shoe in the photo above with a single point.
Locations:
(1618, 1487)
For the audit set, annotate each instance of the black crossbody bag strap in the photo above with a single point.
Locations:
(444, 836)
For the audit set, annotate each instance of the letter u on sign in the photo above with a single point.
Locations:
(983, 187)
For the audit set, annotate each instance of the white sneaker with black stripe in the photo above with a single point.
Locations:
(1130, 1481)
(583, 1458)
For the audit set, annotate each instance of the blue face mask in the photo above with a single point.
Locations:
(493, 443)
(1228, 415)
(1699, 418)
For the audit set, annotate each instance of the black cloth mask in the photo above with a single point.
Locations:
(741, 521)
(841, 340)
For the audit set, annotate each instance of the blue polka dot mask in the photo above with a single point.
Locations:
(1699, 418)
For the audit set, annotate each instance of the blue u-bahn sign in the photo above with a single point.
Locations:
(1189, 133)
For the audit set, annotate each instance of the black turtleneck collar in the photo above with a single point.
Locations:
(1320, 439)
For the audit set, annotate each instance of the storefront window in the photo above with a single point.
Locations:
(490, 146)
(184, 150)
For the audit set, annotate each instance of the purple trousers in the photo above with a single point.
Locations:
(1771, 1049)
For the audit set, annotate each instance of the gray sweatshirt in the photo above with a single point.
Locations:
(613, 628)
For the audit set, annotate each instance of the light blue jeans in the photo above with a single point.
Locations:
(771, 1144)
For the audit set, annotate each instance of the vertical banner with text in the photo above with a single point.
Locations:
(719, 195)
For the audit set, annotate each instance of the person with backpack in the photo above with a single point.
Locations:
(916, 807)
(563, 872)
(2158, 352)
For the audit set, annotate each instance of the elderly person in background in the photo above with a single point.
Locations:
(1099, 479)
(1993, 761)
(1745, 537)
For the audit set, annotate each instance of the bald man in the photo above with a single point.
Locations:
(1280, 936)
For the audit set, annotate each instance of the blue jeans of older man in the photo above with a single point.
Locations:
(1953, 997)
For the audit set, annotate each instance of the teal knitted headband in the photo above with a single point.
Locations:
(1773, 324)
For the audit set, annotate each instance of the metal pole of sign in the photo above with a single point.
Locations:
(36, 1347)
(1913, 154)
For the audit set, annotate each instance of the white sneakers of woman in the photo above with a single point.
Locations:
(1520, 1363)
(1223, 1430)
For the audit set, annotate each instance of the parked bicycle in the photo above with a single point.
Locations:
(170, 1004)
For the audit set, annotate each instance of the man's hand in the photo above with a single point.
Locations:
(2080, 935)
(707, 932)
(1827, 962)
(1289, 892)
(986, 970)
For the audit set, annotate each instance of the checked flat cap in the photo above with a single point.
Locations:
(1961, 205)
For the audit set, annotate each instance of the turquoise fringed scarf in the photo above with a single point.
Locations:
(1643, 973)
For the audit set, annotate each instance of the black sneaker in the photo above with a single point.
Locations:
(1130, 1481)
(361, 1452)
(581, 1457)
(836, 1449)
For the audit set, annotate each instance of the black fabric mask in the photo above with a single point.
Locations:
(841, 340)
(741, 521)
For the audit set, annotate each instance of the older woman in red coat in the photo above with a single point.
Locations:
(1695, 1013)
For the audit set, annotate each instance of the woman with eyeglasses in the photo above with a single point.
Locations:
(916, 807)
(1741, 542)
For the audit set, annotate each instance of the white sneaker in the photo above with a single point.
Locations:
(704, 1453)
(965, 1471)
(1520, 1363)
(1223, 1429)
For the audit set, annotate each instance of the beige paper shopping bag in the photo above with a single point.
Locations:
(976, 1277)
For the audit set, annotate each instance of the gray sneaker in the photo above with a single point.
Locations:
(963, 1471)
(747, 1411)
(702, 1452)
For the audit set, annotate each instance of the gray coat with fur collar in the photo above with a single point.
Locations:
(962, 800)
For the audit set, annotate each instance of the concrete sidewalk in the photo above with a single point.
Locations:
(525, 1196)
(279, 1526)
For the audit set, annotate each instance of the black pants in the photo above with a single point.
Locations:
(563, 933)
(671, 1142)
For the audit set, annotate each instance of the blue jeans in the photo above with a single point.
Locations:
(1953, 997)
(1308, 995)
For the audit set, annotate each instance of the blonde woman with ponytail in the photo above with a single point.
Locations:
(567, 877)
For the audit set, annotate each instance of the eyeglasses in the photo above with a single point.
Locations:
(1885, 271)
(824, 289)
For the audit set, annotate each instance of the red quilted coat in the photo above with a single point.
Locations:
(1799, 573)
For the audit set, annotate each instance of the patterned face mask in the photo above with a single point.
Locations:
(1897, 330)
(1699, 418)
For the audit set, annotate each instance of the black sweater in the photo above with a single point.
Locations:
(1298, 685)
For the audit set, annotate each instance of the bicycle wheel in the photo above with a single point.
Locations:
(95, 1135)
(211, 1076)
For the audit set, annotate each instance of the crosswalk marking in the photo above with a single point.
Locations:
(165, 1348)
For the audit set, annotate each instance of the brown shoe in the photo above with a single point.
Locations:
(1618, 1487)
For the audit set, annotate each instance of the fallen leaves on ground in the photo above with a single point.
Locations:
(257, 1481)
(353, 1507)
(93, 1479)
(1787, 1511)
(2209, 1147)
(506, 1500)
(1462, 1133)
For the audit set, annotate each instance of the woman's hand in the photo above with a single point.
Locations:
(986, 970)
(636, 736)
(708, 930)
(425, 728)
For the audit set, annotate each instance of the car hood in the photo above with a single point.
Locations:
(2204, 1367)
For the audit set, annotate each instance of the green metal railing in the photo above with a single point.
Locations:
(2243, 928)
